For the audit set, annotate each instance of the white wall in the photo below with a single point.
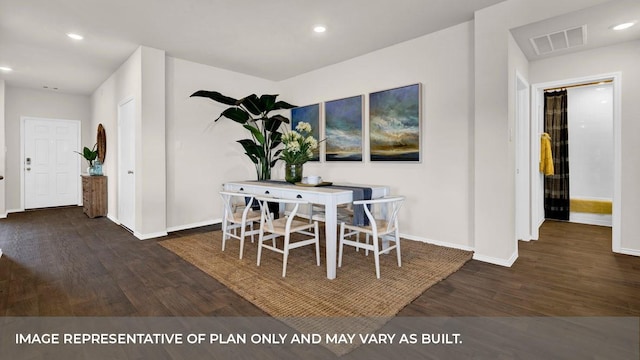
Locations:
(123, 84)
(141, 77)
(590, 119)
(438, 188)
(622, 58)
(494, 195)
(519, 67)
(36, 103)
(203, 154)
(151, 169)
(184, 156)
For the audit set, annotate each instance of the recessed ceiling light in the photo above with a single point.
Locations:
(624, 26)
(319, 28)
(5, 68)
(75, 36)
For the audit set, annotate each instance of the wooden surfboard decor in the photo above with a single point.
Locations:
(102, 143)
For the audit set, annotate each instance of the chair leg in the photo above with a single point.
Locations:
(366, 251)
(260, 240)
(285, 255)
(398, 247)
(341, 245)
(376, 254)
(242, 234)
(224, 233)
(317, 236)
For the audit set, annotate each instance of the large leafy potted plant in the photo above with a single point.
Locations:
(253, 113)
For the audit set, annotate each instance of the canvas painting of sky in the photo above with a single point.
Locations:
(309, 114)
(344, 129)
(394, 124)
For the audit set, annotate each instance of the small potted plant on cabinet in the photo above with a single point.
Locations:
(91, 155)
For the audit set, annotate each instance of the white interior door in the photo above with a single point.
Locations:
(51, 167)
(126, 164)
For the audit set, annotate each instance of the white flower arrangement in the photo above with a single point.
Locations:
(298, 144)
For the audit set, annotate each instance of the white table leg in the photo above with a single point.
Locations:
(331, 243)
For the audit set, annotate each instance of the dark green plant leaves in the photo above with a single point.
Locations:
(253, 113)
(89, 154)
(282, 105)
(256, 133)
(280, 118)
(215, 96)
(267, 102)
(236, 114)
(276, 139)
(252, 149)
(252, 104)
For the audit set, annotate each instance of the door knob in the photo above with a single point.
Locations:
(130, 172)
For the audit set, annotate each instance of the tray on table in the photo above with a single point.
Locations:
(324, 183)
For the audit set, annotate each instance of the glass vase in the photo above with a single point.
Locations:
(293, 173)
(97, 168)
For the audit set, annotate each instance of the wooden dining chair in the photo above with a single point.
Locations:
(383, 225)
(238, 214)
(285, 226)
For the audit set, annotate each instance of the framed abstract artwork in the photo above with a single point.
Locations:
(394, 124)
(343, 129)
(309, 114)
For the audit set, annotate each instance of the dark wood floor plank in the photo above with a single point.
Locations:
(58, 262)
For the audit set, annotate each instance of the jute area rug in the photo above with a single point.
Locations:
(306, 291)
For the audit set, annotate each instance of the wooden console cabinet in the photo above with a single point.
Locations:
(94, 195)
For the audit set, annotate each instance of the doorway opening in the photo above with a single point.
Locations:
(606, 83)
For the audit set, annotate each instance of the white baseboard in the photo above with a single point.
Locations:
(436, 242)
(137, 234)
(591, 219)
(150, 235)
(632, 252)
(194, 225)
(14, 211)
(528, 238)
(113, 219)
(0, 253)
(496, 261)
(488, 259)
(169, 229)
(4, 216)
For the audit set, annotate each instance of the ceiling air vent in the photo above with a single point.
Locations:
(560, 40)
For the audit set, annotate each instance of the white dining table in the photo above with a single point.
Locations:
(328, 196)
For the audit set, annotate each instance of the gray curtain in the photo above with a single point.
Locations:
(556, 187)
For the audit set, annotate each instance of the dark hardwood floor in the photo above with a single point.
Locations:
(57, 262)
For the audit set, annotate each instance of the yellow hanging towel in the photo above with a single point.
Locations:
(546, 160)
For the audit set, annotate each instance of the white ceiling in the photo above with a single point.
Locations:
(272, 39)
(598, 20)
